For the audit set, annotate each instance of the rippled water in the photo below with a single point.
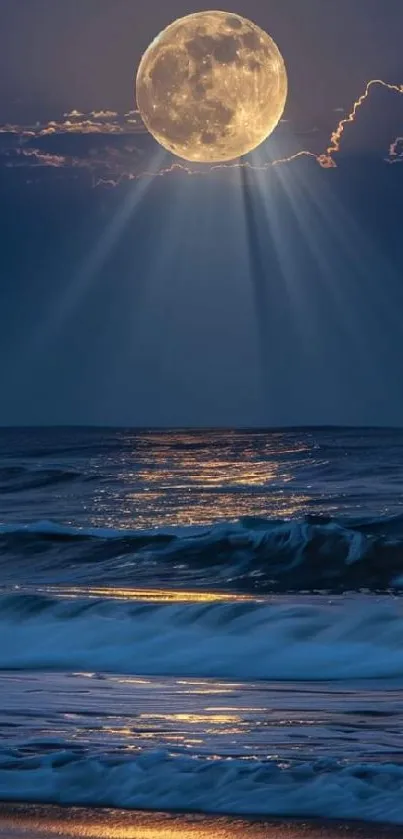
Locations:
(118, 715)
(149, 479)
(164, 644)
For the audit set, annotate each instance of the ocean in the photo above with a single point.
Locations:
(205, 621)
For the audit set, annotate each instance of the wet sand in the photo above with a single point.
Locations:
(41, 822)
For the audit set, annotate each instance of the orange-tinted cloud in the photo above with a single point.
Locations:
(104, 144)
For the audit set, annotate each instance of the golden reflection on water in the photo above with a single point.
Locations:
(148, 594)
(176, 478)
(195, 719)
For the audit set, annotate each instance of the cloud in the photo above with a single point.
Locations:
(111, 147)
(76, 122)
(101, 143)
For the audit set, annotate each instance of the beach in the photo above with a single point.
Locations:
(39, 822)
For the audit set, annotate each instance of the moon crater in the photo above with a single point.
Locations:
(211, 87)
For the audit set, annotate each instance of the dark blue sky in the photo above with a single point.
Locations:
(274, 299)
(55, 56)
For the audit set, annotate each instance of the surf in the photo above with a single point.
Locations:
(236, 640)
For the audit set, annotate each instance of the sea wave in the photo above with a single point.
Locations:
(156, 780)
(252, 554)
(16, 479)
(244, 640)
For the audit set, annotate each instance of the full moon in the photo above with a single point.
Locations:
(211, 87)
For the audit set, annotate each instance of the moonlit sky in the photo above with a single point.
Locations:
(82, 54)
(186, 300)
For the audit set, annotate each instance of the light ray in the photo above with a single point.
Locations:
(84, 277)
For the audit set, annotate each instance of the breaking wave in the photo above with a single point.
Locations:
(251, 555)
(156, 780)
(241, 640)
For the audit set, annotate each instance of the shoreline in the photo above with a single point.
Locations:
(40, 821)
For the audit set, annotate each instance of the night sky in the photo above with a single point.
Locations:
(260, 296)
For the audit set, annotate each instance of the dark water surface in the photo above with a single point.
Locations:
(203, 620)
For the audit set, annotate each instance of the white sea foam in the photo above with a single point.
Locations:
(155, 780)
(240, 640)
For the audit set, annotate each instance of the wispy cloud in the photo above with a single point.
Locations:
(112, 147)
(76, 122)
